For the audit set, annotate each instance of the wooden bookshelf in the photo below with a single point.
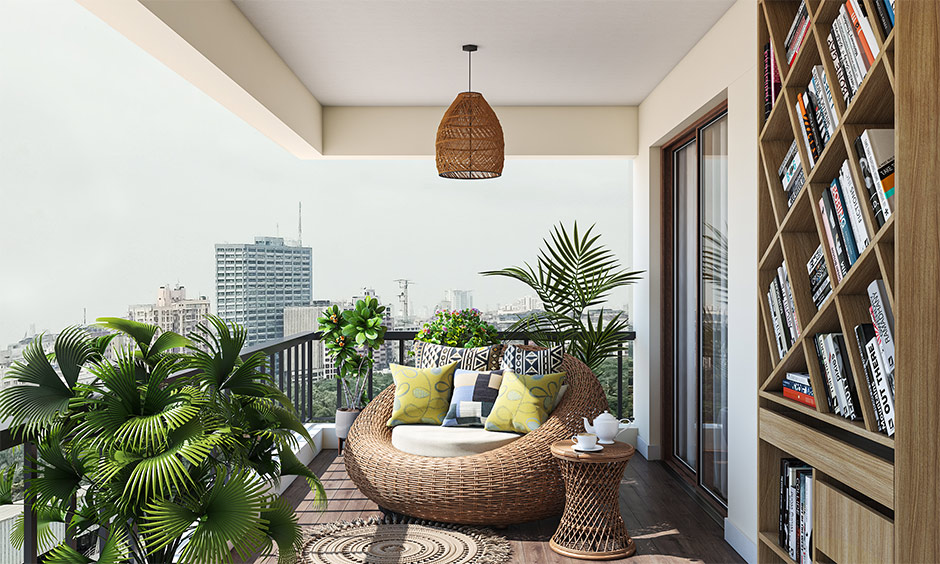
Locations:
(875, 498)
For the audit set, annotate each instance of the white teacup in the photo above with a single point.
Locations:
(585, 441)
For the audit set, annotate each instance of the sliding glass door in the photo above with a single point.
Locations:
(696, 270)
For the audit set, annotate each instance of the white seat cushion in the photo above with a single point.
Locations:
(446, 442)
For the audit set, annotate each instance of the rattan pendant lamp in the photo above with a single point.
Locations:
(469, 140)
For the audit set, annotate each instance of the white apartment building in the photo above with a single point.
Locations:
(173, 311)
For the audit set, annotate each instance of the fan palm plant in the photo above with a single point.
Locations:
(170, 455)
(572, 274)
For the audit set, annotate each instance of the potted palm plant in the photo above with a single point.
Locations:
(167, 448)
(573, 273)
(350, 337)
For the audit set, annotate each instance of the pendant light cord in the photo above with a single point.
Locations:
(469, 70)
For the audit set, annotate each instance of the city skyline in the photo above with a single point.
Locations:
(151, 173)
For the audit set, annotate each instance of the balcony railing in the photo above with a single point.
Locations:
(292, 363)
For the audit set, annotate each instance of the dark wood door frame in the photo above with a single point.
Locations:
(668, 310)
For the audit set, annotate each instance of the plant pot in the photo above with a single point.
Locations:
(344, 420)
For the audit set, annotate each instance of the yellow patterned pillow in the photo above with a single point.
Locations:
(524, 401)
(422, 395)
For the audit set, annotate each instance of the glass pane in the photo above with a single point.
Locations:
(714, 307)
(686, 288)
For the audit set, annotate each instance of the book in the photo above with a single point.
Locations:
(883, 320)
(814, 99)
(798, 31)
(793, 507)
(800, 378)
(801, 397)
(837, 63)
(875, 195)
(852, 59)
(866, 36)
(879, 146)
(795, 186)
(885, 393)
(872, 162)
(797, 22)
(841, 257)
(844, 373)
(832, 396)
(783, 525)
(883, 18)
(864, 333)
(790, 166)
(789, 307)
(859, 229)
(787, 338)
(821, 294)
(819, 73)
(889, 4)
(806, 518)
(768, 76)
(809, 139)
(842, 218)
(855, 43)
(833, 251)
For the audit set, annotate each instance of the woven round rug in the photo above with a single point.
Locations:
(385, 541)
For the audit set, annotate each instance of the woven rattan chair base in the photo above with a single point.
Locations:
(512, 484)
(592, 527)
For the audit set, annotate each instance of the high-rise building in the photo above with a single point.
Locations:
(173, 310)
(256, 281)
(457, 299)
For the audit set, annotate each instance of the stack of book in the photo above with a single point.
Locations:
(771, 79)
(797, 386)
(841, 395)
(797, 33)
(875, 151)
(818, 114)
(852, 46)
(819, 277)
(846, 232)
(885, 10)
(796, 509)
(876, 346)
(783, 311)
(791, 174)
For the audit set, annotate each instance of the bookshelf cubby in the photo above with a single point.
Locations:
(876, 498)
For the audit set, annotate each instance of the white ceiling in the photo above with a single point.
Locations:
(532, 52)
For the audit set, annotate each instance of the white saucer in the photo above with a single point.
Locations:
(595, 449)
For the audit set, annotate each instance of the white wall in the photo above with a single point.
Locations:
(722, 65)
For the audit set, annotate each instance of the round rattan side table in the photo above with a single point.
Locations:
(591, 527)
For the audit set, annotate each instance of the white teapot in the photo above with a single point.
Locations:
(605, 426)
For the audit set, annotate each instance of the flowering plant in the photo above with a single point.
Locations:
(458, 329)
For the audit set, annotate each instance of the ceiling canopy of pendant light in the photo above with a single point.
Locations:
(469, 139)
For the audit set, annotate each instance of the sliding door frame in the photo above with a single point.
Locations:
(668, 309)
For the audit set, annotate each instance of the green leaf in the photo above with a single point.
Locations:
(141, 333)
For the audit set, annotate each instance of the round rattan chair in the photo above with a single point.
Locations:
(515, 483)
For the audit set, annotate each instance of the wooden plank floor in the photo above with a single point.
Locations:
(667, 525)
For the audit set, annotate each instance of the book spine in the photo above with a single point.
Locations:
(798, 386)
(808, 520)
(794, 190)
(837, 62)
(832, 397)
(789, 167)
(787, 312)
(815, 260)
(845, 373)
(861, 340)
(775, 319)
(805, 399)
(870, 187)
(841, 256)
(821, 293)
(783, 523)
(789, 304)
(889, 5)
(812, 151)
(791, 514)
(816, 101)
(797, 22)
(781, 313)
(842, 216)
(862, 31)
(825, 99)
(833, 252)
(855, 207)
(829, 349)
(855, 48)
(794, 49)
(767, 78)
(800, 378)
(851, 60)
(885, 397)
(815, 128)
(873, 172)
(776, 84)
(883, 320)
(883, 18)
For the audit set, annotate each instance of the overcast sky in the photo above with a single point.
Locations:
(117, 175)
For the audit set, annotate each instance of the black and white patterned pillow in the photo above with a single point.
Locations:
(478, 358)
(520, 361)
